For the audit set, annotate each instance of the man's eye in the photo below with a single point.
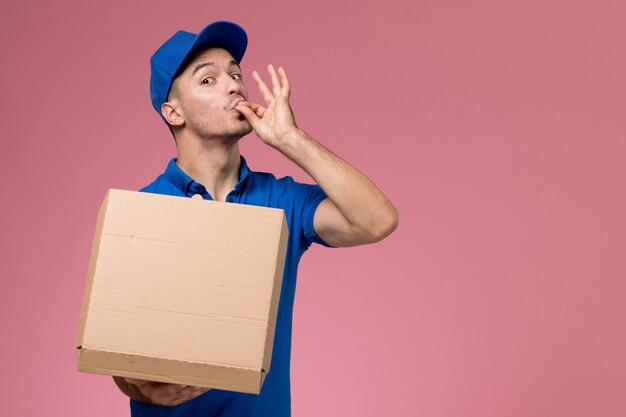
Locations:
(208, 80)
(236, 76)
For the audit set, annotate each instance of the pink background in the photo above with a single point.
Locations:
(497, 129)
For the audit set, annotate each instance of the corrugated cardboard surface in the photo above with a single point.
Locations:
(182, 290)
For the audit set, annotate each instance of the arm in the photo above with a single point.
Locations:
(157, 393)
(356, 211)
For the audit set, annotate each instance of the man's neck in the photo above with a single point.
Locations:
(213, 163)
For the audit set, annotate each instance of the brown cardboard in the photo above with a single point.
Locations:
(182, 290)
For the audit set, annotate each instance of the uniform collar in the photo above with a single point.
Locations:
(189, 186)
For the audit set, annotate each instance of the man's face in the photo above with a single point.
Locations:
(207, 91)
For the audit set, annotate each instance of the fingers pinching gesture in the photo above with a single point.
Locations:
(272, 123)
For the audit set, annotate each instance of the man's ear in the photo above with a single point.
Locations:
(172, 113)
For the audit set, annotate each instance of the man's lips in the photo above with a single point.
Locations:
(235, 103)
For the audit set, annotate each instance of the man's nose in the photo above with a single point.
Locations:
(234, 87)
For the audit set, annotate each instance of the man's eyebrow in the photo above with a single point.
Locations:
(209, 63)
(200, 66)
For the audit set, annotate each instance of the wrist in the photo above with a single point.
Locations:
(291, 141)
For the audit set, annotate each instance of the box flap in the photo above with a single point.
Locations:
(170, 371)
(91, 270)
(281, 252)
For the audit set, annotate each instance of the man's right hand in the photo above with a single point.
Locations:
(159, 393)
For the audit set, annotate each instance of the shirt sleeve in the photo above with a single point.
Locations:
(308, 198)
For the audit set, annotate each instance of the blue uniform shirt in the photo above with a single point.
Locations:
(299, 201)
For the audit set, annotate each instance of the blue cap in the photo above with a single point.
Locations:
(171, 58)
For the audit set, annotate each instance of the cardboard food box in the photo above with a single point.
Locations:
(183, 291)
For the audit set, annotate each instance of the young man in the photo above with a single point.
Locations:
(197, 88)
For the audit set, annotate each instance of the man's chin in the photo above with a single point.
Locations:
(245, 125)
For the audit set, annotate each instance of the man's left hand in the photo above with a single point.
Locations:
(274, 123)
